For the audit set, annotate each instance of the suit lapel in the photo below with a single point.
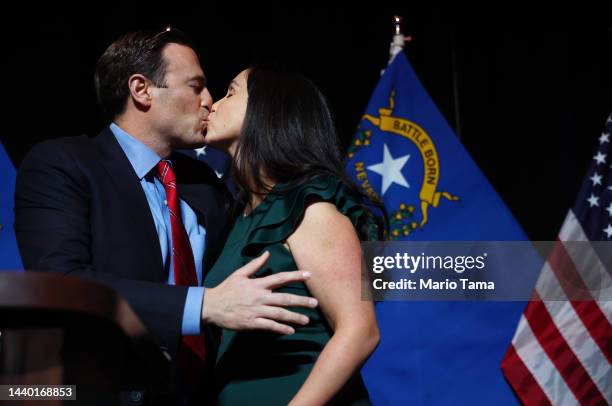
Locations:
(130, 192)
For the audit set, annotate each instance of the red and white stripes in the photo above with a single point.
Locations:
(562, 350)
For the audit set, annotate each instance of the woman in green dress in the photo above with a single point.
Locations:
(300, 212)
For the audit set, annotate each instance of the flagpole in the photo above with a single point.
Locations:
(455, 84)
(399, 40)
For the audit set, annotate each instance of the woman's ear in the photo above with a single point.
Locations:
(140, 90)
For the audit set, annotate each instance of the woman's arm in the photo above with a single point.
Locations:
(326, 244)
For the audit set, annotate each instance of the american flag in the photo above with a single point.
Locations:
(562, 349)
(217, 160)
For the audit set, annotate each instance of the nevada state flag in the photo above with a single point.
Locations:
(405, 153)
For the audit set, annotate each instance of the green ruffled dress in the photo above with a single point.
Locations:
(260, 368)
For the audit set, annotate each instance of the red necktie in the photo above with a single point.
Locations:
(191, 352)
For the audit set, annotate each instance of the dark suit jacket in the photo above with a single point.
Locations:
(80, 210)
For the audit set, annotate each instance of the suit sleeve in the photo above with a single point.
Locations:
(52, 204)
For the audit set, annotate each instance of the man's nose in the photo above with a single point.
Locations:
(207, 100)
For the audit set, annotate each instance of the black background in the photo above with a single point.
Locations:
(528, 92)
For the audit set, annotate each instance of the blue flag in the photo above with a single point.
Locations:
(219, 161)
(9, 254)
(406, 153)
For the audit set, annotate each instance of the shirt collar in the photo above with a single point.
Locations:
(142, 158)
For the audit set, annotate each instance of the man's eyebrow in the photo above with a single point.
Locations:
(234, 83)
(198, 78)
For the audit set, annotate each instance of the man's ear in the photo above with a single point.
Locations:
(140, 90)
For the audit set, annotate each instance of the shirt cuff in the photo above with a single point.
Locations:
(193, 311)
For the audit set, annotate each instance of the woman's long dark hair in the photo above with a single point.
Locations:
(288, 135)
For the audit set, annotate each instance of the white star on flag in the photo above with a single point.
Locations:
(609, 209)
(200, 151)
(600, 158)
(593, 200)
(391, 170)
(596, 179)
(605, 137)
(608, 230)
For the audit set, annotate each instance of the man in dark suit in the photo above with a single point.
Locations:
(125, 209)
